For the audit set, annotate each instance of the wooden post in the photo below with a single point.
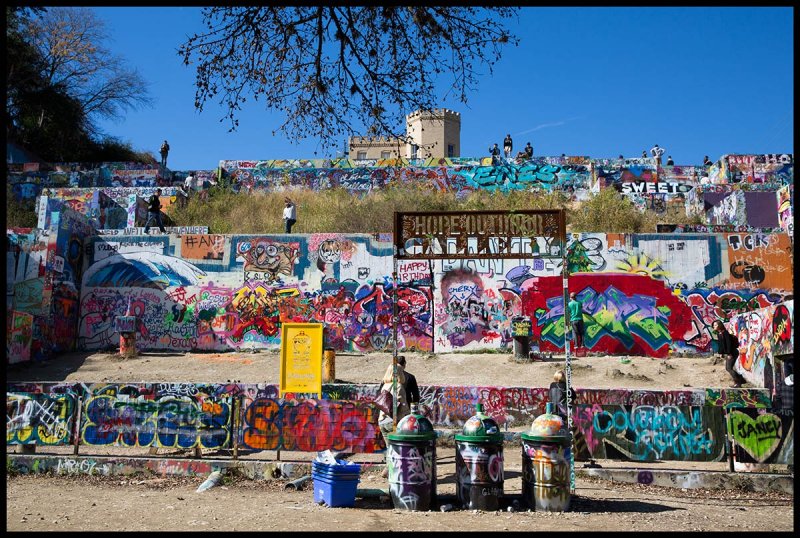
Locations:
(77, 425)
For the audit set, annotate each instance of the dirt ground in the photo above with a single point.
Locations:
(37, 503)
(477, 369)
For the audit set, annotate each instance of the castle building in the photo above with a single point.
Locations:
(435, 133)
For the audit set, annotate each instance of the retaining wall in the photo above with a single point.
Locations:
(637, 425)
(643, 294)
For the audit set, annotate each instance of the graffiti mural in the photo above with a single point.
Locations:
(623, 313)
(39, 419)
(162, 415)
(762, 436)
(763, 334)
(473, 310)
(650, 433)
(310, 425)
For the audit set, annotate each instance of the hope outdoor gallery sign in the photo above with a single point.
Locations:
(476, 234)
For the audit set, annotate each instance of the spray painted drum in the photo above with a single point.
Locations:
(479, 463)
(411, 462)
(545, 463)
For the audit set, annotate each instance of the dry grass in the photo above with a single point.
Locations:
(336, 210)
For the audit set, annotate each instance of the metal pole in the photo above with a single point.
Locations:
(235, 423)
(568, 366)
(394, 338)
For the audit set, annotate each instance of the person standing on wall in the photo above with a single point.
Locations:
(728, 346)
(576, 319)
(657, 152)
(507, 146)
(289, 215)
(164, 152)
(154, 212)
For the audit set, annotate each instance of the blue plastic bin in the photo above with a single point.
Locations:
(335, 485)
(335, 492)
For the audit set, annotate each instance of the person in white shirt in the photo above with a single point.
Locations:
(657, 152)
(289, 215)
(189, 183)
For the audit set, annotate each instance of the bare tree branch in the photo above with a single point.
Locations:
(342, 70)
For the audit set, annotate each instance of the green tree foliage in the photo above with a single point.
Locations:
(606, 211)
(19, 214)
(60, 81)
(335, 70)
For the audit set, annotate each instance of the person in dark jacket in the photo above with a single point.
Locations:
(558, 394)
(412, 390)
(154, 212)
(728, 347)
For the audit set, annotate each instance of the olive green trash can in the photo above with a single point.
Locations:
(411, 462)
(479, 463)
(546, 463)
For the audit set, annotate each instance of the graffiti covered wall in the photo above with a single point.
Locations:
(636, 425)
(642, 293)
(43, 278)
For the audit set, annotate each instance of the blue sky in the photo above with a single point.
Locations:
(583, 81)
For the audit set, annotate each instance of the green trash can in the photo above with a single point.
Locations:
(411, 462)
(545, 463)
(479, 463)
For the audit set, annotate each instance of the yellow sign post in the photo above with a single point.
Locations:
(301, 358)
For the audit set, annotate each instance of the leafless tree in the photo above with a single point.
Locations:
(341, 70)
(70, 43)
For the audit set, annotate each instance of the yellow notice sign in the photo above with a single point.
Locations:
(301, 358)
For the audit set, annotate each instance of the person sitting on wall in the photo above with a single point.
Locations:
(495, 153)
(528, 151)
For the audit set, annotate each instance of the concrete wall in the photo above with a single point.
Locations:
(647, 294)
(43, 278)
(637, 425)
(107, 208)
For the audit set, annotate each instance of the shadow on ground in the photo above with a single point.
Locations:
(583, 504)
(56, 369)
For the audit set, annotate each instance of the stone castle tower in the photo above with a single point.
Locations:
(436, 133)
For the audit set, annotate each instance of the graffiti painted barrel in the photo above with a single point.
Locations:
(411, 462)
(545, 463)
(479, 463)
(329, 365)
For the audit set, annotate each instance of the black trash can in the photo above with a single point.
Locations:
(411, 462)
(521, 330)
(546, 463)
(479, 463)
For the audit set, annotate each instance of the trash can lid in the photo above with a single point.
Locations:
(480, 428)
(547, 427)
(413, 427)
